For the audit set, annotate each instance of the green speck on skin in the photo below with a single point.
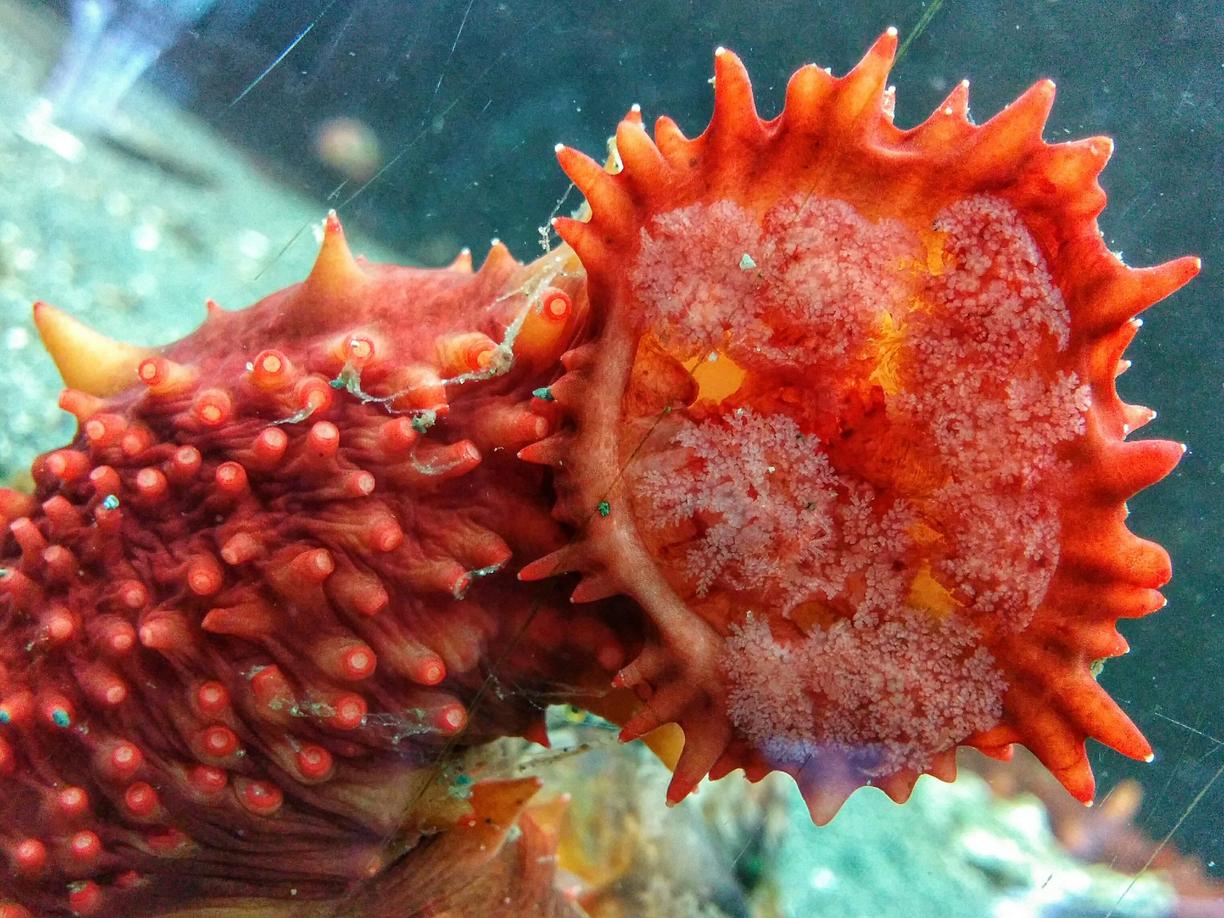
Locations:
(543, 393)
(336, 383)
(110, 502)
(60, 717)
(604, 508)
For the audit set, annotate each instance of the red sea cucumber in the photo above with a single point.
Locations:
(821, 411)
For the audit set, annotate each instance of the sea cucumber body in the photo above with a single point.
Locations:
(247, 611)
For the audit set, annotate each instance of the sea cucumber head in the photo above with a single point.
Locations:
(846, 428)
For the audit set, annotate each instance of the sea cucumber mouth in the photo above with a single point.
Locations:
(867, 416)
(858, 421)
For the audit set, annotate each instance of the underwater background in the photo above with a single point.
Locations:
(200, 143)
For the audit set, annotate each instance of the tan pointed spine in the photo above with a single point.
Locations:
(87, 360)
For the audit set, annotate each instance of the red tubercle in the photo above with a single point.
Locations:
(141, 800)
(216, 742)
(213, 408)
(323, 439)
(29, 540)
(314, 763)
(348, 711)
(313, 394)
(272, 370)
(136, 440)
(184, 465)
(14, 504)
(29, 856)
(241, 548)
(556, 304)
(85, 847)
(428, 670)
(63, 519)
(438, 462)
(56, 711)
(211, 699)
(273, 695)
(418, 387)
(313, 565)
(449, 718)
(208, 779)
(112, 635)
(59, 624)
(445, 575)
(71, 804)
(104, 429)
(510, 426)
(397, 436)
(346, 659)
(101, 684)
(261, 798)
(105, 481)
(108, 516)
(269, 448)
(67, 465)
(167, 841)
(60, 562)
(252, 619)
(85, 897)
(119, 761)
(466, 352)
(204, 576)
(163, 376)
(357, 350)
(21, 590)
(165, 630)
(362, 594)
(357, 483)
(150, 485)
(384, 535)
(17, 708)
(231, 479)
(479, 354)
(80, 405)
(131, 594)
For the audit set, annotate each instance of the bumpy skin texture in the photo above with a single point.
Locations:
(821, 412)
(249, 610)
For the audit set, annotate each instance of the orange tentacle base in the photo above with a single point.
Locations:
(846, 428)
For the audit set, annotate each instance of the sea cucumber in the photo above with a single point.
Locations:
(821, 413)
